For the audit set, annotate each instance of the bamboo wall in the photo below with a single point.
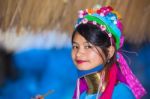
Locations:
(39, 15)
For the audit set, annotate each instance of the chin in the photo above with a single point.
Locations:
(82, 67)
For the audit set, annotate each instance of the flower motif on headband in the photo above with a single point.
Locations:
(94, 22)
(112, 17)
(103, 27)
(81, 12)
(84, 21)
(109, 34)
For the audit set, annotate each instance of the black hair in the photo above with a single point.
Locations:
(95, 36)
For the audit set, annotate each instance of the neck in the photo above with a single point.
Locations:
(94, 81)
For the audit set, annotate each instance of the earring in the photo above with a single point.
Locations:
(108, 60)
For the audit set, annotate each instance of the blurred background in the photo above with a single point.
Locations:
(35, 46)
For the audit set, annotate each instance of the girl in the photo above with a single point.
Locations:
(102, 71)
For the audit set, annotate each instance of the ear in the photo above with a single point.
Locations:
(111, 51)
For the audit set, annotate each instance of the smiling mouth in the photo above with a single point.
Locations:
(80, 61)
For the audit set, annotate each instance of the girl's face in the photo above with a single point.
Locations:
(85, 55)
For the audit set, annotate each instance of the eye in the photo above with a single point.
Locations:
(88, 46)
(75, 47)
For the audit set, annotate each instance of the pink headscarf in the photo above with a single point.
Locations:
(131, 80)
(136, 87)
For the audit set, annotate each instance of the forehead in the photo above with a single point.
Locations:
(78, 38)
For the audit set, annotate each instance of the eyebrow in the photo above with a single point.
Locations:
(74, 42)
(83, 42)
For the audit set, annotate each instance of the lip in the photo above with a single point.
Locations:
(80, 61)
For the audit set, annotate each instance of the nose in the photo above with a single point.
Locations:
(80, 52)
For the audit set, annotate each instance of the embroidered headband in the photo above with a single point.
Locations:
(104, 17)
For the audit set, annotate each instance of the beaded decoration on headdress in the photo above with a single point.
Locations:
(105, 18)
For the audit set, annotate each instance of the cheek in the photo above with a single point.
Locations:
(95, 58)
(73, 54)
(92, 55)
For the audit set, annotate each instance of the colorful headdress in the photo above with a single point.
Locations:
(105, 18)
(108, 20)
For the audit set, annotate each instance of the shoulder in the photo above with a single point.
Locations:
(122, 91)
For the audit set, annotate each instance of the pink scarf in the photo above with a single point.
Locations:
(136, 87)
